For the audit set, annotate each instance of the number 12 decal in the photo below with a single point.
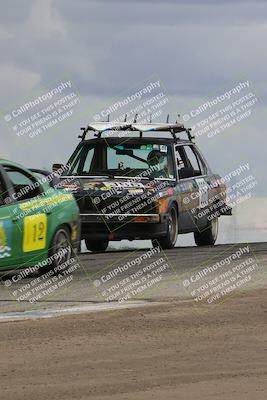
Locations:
(35, 232)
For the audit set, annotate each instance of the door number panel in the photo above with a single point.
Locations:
(35, 232)
(203, 192)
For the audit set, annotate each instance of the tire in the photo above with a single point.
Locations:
(169, 241)
(96, 245)
(61, 243)
(209, 236)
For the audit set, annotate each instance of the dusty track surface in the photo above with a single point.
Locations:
(177, 350)
(181, 263)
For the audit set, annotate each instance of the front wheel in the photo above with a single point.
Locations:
(209, 235)
(169, 241)
(61, 252)
(96, 245)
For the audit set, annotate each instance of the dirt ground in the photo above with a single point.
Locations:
(178, 350)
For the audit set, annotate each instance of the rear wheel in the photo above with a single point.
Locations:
(169, 241)
(208, 236)
(96, 245)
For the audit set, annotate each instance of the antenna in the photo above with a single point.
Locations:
(178, 116)
(135, 118)
(108, 118)
(167, 119)
(150, 118)
(125, 118)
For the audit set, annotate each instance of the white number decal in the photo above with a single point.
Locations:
(203, 190)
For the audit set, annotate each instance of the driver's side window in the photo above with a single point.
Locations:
(25, 185)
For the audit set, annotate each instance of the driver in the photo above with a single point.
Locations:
(158, 160)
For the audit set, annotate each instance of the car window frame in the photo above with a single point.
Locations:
(205, 164)
(2, 195)
(8, 186)
(29, 175)
(200, 160)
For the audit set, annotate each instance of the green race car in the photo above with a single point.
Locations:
(38, 222)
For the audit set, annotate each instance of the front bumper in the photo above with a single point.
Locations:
(119, 218)
(123, 226)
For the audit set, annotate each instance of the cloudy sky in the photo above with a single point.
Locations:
(199, 49)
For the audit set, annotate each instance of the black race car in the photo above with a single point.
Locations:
(131, 182)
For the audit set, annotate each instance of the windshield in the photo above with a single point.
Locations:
(147, 161)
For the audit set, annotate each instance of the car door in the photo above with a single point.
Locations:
(30, 221)
(194, 183)
(187, 189)
(201, 185)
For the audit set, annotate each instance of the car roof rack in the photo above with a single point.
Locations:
(103, 127)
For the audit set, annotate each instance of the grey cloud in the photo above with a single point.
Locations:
(197, 48)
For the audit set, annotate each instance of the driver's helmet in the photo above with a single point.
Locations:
(156, 157)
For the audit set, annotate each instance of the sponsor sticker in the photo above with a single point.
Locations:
(106, 188)
(163, 148)
(5, 238)
(135, 191)
(125, 185)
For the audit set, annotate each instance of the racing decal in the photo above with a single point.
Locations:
(203, 192)
(125, 185)
(169, 192)
(115, 187)
(90, 185)
(135, 191)
(163, 148)
(35, 232)
(5, 238)
(106, 188)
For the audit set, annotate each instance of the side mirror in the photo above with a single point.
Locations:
(58, 168)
